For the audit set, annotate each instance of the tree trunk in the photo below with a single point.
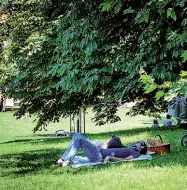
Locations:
(2, 103)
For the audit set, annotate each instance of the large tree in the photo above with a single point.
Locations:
(74, 54)
(6, 70)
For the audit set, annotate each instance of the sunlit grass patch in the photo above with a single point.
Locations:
(27, 159)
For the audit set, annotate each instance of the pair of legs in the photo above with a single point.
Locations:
(78, 142)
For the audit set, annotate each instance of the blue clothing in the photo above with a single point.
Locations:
(91, 151)
(120, 152)
(167, 122)
(155, 126)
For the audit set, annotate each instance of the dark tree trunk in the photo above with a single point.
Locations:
(2, 101)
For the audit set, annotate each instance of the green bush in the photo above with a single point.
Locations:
(11, 108)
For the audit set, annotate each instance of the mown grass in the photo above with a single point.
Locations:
(27, 159)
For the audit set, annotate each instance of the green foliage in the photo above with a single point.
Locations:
(110, 5)
(90, 53)
(171, 13)
(159, 94)
(11, 108)
(184, 55)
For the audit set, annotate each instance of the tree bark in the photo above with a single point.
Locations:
(2, 102)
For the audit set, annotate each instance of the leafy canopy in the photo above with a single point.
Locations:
(73, 54)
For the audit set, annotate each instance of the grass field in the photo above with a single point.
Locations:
(27, 159)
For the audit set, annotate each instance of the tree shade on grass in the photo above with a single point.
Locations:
(27, 160)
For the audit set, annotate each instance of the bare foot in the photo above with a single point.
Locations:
(61, 162)
(65, 164)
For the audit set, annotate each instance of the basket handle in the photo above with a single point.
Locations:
(159, 137)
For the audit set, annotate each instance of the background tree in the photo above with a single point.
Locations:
(4, 69)
(76, 54)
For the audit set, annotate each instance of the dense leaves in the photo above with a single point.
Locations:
(6, 70)
(74, 54)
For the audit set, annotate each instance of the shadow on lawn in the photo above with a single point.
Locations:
(51, 139)
(32, 162)
(43, 160)
(39, 140)
(29, 162)
(48, 138)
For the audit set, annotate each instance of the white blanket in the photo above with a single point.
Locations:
(83, 161)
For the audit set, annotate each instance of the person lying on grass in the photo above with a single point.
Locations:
(114, 142)
(99, 154)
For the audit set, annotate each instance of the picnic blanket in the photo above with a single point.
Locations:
(79, 161)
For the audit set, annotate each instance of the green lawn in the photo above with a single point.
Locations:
(26, 159)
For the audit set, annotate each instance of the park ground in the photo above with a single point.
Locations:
(27, 159)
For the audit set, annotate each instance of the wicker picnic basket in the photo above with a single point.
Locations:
(158, 147)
